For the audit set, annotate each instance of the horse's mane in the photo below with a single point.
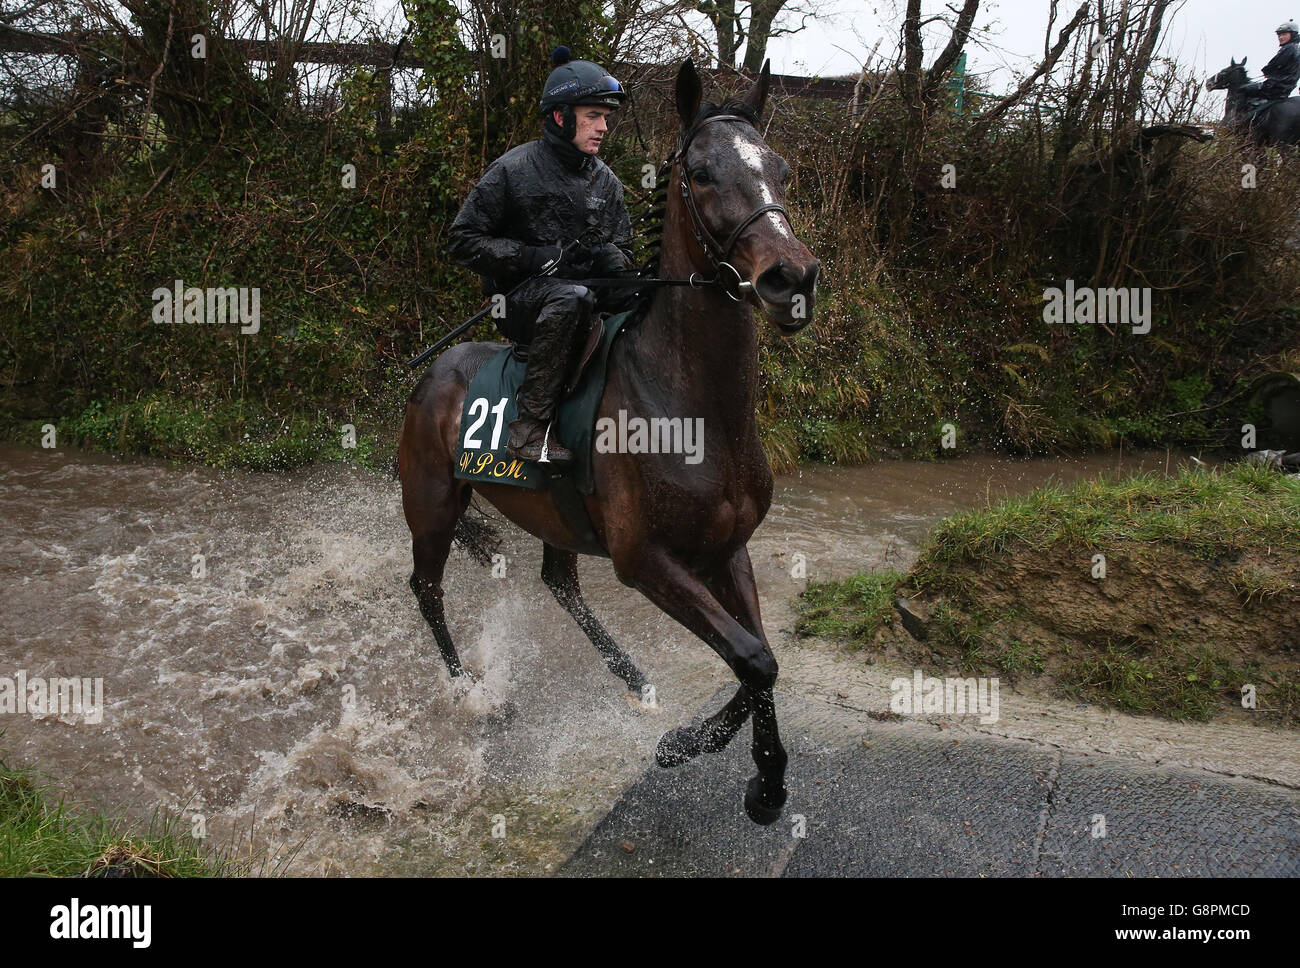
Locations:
(648, 226)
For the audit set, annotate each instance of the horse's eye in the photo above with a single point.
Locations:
(700, 176)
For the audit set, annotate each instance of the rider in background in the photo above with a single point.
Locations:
(1282, 72)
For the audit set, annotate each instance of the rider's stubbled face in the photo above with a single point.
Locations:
(1284, 38)
(591, 127)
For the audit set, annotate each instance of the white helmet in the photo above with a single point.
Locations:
(1289, 28)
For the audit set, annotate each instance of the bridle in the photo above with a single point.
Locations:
(718, 255)
(1227, 82)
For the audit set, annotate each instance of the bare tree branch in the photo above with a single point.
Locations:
(938, 71)
(1015, 97)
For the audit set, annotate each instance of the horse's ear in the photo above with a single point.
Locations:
(688, 93)
(1243, 62)
(757, 96)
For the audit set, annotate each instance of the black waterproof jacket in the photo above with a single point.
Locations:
(1282, 72)
(535, 195)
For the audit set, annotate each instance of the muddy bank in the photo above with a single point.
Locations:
(1175, 596)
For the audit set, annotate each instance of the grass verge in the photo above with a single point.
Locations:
(235, 434)
(41, 837)
(1176, 596)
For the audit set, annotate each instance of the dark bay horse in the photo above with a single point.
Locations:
(675, 532)
(1279, 125)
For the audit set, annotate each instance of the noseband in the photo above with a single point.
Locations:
(718, 255)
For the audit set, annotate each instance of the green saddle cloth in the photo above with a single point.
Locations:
(490, 407)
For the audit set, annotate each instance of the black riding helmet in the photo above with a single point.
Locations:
(574, 82)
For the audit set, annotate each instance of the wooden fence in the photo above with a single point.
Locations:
(380, 56)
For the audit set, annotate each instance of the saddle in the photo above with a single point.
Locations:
(490, 406)
(595, 333)
(1258, 107)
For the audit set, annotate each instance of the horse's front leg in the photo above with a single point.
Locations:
(677, 590)
(766, 794)
(737, 591)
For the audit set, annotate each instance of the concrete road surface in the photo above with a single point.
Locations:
(876, 796)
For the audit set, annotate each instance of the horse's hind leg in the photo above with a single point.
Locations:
(432, 509)
(560, 573)
(687, 742)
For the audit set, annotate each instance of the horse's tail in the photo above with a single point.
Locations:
(475, 533)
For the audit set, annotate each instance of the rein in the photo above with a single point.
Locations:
(739, 284)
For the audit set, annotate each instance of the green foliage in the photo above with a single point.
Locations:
(852, 609)
(234, 434)
(1181, 682)
(1258, 585)
(43, 839)
(1210, 513)
(355, 279)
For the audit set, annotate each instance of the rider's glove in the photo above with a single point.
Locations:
(576, 263)
(533, 258)
(609, 261)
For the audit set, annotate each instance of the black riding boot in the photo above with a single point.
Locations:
(557, 330)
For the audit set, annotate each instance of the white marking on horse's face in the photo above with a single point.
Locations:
(777, 221)
(750, 153)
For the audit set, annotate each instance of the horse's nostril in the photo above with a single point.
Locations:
(777, 281)
(782, 281)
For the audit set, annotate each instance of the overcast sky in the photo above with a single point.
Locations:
(1008, 35)
(1203, 34)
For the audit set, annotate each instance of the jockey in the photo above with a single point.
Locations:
(1282, 72)
(545, 200)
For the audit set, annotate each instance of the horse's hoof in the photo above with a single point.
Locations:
(676, 747)
(759, 811)
(638, 703)
(464, 683)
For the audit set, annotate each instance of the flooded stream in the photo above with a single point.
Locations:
(283, 692)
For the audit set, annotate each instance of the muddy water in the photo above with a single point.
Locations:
(291, 696)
